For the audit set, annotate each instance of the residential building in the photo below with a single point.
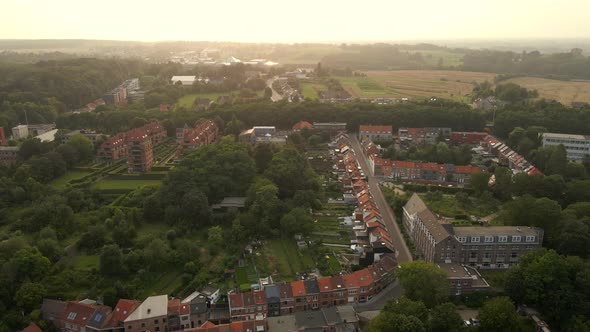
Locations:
(199, 310)
(140, 156)
(488, 247)
(150, 315)
(422, 135)
(375, 133)
(48, 136)
(327, 319)
(52, 311)
(258, 324)
(77, 316)
(468, 138)
(287, 299)
(20, 131)
(506, 156)
(273, 299)
(463, 279)
(2, 137)
(32, 328)
(302, 124)
(8, 155)
(576, 146)
(116, 96)
(40, 128)
(330, 126)
(113, 149)
(422, 171)
(261, 134)
(203, 133)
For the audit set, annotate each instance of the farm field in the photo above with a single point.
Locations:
(563, 91)
(310, 90)
(415, 84)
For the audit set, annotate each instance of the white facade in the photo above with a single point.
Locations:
(20, 131)
(577, 146)
(185, 80)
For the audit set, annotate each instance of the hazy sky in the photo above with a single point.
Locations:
(293, 21)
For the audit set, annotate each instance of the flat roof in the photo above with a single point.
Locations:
(569, 136)
(458, 271)
(183, 78)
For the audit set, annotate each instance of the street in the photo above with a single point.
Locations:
(403, 253)
(275, 95)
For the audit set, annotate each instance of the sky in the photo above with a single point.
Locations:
(294, 21)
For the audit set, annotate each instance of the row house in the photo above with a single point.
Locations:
(508, 157)
(375, 133)
(259, 324)
(203, 133)
(467, 138)
(422, 135)
(314, 294)
(423, 171)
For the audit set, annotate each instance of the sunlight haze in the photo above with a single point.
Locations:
(293, 21)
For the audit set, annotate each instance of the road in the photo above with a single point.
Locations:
(275, 95)
(402, 251)
(392, 291)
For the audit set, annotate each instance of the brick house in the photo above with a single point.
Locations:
(372, 133)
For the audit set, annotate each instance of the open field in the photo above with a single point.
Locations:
(310, 90)
(414, 84)
(305, 55)
(63, 180)
(188, 100)
(563, 91)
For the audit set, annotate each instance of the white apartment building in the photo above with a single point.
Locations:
(577, 146)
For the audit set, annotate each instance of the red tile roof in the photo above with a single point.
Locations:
(467, 169)
(363, 277)
(302, 124)
(298, 288)
(375, 129)
(79, 313)
(32, 328)
(325, 284)
(236, 300)
(123, 309)
(260, 296)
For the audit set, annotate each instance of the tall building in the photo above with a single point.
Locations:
(140, 156)
(487, 247)
(576, 146)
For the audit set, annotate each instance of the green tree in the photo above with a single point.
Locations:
(30, 295)
(215, 236)
(30, 264)
(479, 182)
(407, 307)
(390, 322)
(297, 221)
(557, 163)
(83, 147)
(445, 318)
(111, 260)
(498, 314)
(424, 282)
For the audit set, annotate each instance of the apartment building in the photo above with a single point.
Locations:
(113, 149)
(422, 171)
(8, 155)
(375, 133)
(20, 131)
(140, 156)
(576, 146)
(88, 133)
(487, 247)
(203, 133)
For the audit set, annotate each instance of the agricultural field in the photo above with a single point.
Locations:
(310, 90)
(563, 91)
(304, 55)
(414, 84)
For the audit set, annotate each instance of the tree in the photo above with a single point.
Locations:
(30, 295)
(157, 254)
(215, 236)
(267, 93)
(30, 263)
(444, 318)
(111, 260)
(498, 314)
(83, 146)
(297, 221)
(263, 154)
(405, 306)
(502, 184)
(424, 282)
(557, 162)
(390, 322)
(574, 237)
(479, 182)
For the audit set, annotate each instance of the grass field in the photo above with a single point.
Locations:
(562, 91)
(288, 258)
(449, 206)
(125, 184)
(310, 90)
(63, 180)
(188, 100)
(414, 84)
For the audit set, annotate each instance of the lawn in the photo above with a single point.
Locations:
(188, 100)
(417, 84)
(449, 206)
(125, 184)
(63, 180)
(289, 259)
(563, 91)
(310, 90)
(86, 262)
(165, 283)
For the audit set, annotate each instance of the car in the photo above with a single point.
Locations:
(467, 322)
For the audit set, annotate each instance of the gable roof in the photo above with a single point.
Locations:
(415, 204)
(298, 288)
(123, 309)
(32, 328)
(435, 228)
(153, 306)
(376, 129)
(302, 124)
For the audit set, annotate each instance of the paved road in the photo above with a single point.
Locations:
(403, 253)
(392, 291)
(275, 95)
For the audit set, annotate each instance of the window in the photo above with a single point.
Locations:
(129, 327)
(530, 239)
(488, 248)
(489, 238)
(473, 255)
(501, 247)
(487, 255)
(514, 254)
(502, 238)
(142, 324)
(475, 239)
(515, 247)
(155, 321)
(462, 239)
(516, 238)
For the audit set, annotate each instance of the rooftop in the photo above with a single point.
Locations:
(153, 306)
(495, 230)
(568, 136)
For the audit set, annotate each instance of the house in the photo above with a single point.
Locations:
(259, 324)
(32, 328)
(113, 149)
(199, 309)
(9, 155)
(52, 310)
(428, 135)
(422, 171)
(273, 300)
(327, 319)
(287, 299)
(468, 138)
(20, 131)
(76, 316)
(375, 133)
(302, 124)
(299, 294)
(202, 104)
(150, 315)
